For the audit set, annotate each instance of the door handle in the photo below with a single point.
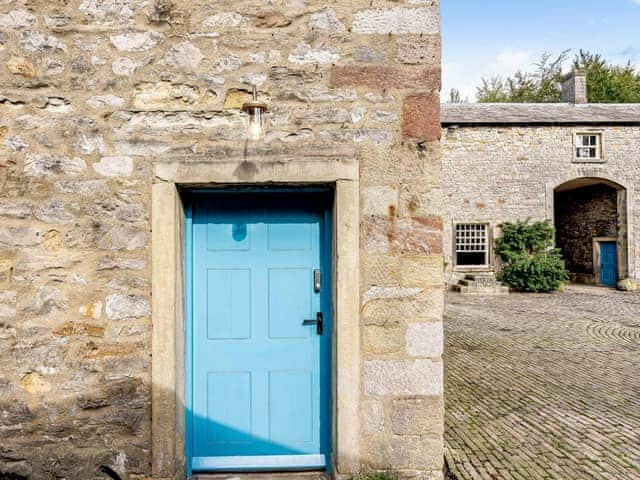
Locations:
(318, 322)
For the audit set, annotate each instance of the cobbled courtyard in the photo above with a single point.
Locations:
(543, 386)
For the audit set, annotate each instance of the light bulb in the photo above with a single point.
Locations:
(254, 129)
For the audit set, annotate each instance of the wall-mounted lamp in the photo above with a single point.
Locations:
(255, 111)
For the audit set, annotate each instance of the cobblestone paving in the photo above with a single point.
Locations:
(544, 386)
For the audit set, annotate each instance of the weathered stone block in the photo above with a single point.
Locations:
(82, 187)
(110, 263)
(422, 270)
(418, 416)
(17, 20)
(425, 339)
(379, 200)
(21, 66)
(419, 50)
(236, 98)
(326, 21)
(19, 236)
(165, 96)
(421, 199)
(114, 166)
(136, 41)
(34, 384)
(304, 54)
(75, 328)
(12, 209)
(373, 418)
(382, 77)
(224, 20)
(14, 411)
(382, 270)
(399, 20)
(402, 377)
(421, 117)
(119, 307)
(105, 101)
(54, 211)
(417, 452)
(43, 165)
(124, 66)
(382, 339)
(48, 300)
(115, 391)
(123, 238)
(402, 235)
(107, 11)
(184, 55)
(376, 452)
(40, 43)
(426, 304)
(272, 19)
(8, 303)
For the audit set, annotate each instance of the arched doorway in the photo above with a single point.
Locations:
(590, 217)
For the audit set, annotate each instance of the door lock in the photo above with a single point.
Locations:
(318, 322)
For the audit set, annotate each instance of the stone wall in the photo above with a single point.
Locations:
(581, 215)
(500, 174)
(101, 98)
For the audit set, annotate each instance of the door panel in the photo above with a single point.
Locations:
(228, 304)
(289, 298)
(291, 422)
(233, 419)
(608, 264)
(259, 386)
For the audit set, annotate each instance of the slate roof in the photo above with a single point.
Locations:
(540, 114)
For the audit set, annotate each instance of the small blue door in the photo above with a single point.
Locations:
(608, 264)
(259, 361)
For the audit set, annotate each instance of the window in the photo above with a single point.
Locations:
(471, 244)
(588, 147)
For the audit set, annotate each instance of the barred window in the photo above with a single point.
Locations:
(471, 244)
(588, 147)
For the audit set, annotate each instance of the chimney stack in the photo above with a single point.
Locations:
(574, 88)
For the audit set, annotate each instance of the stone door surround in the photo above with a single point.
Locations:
(172, 175)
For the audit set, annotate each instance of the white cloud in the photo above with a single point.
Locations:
(467, 76)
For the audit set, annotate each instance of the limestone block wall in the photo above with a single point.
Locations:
(499, 174)
(99, 99)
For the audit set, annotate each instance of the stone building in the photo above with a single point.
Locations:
(161, 272)
(575, 164)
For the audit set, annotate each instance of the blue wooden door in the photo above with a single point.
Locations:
(259, 381)
(608, 264)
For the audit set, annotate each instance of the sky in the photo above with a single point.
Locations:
(497, 37)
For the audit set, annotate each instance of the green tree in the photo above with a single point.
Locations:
(531, 263)
(540, 86)
(606, 83)
(455, 96)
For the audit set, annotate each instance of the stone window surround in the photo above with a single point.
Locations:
(601, 146)
(489, 267)
(167, 437)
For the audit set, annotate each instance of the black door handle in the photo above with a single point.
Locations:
(317, 322)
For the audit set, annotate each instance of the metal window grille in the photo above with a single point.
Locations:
(471, 237)
(471, 244)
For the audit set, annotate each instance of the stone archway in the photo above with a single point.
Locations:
(589, 213)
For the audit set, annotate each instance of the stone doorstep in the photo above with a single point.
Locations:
(480, 284)
(480, 290)
(263, 476)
